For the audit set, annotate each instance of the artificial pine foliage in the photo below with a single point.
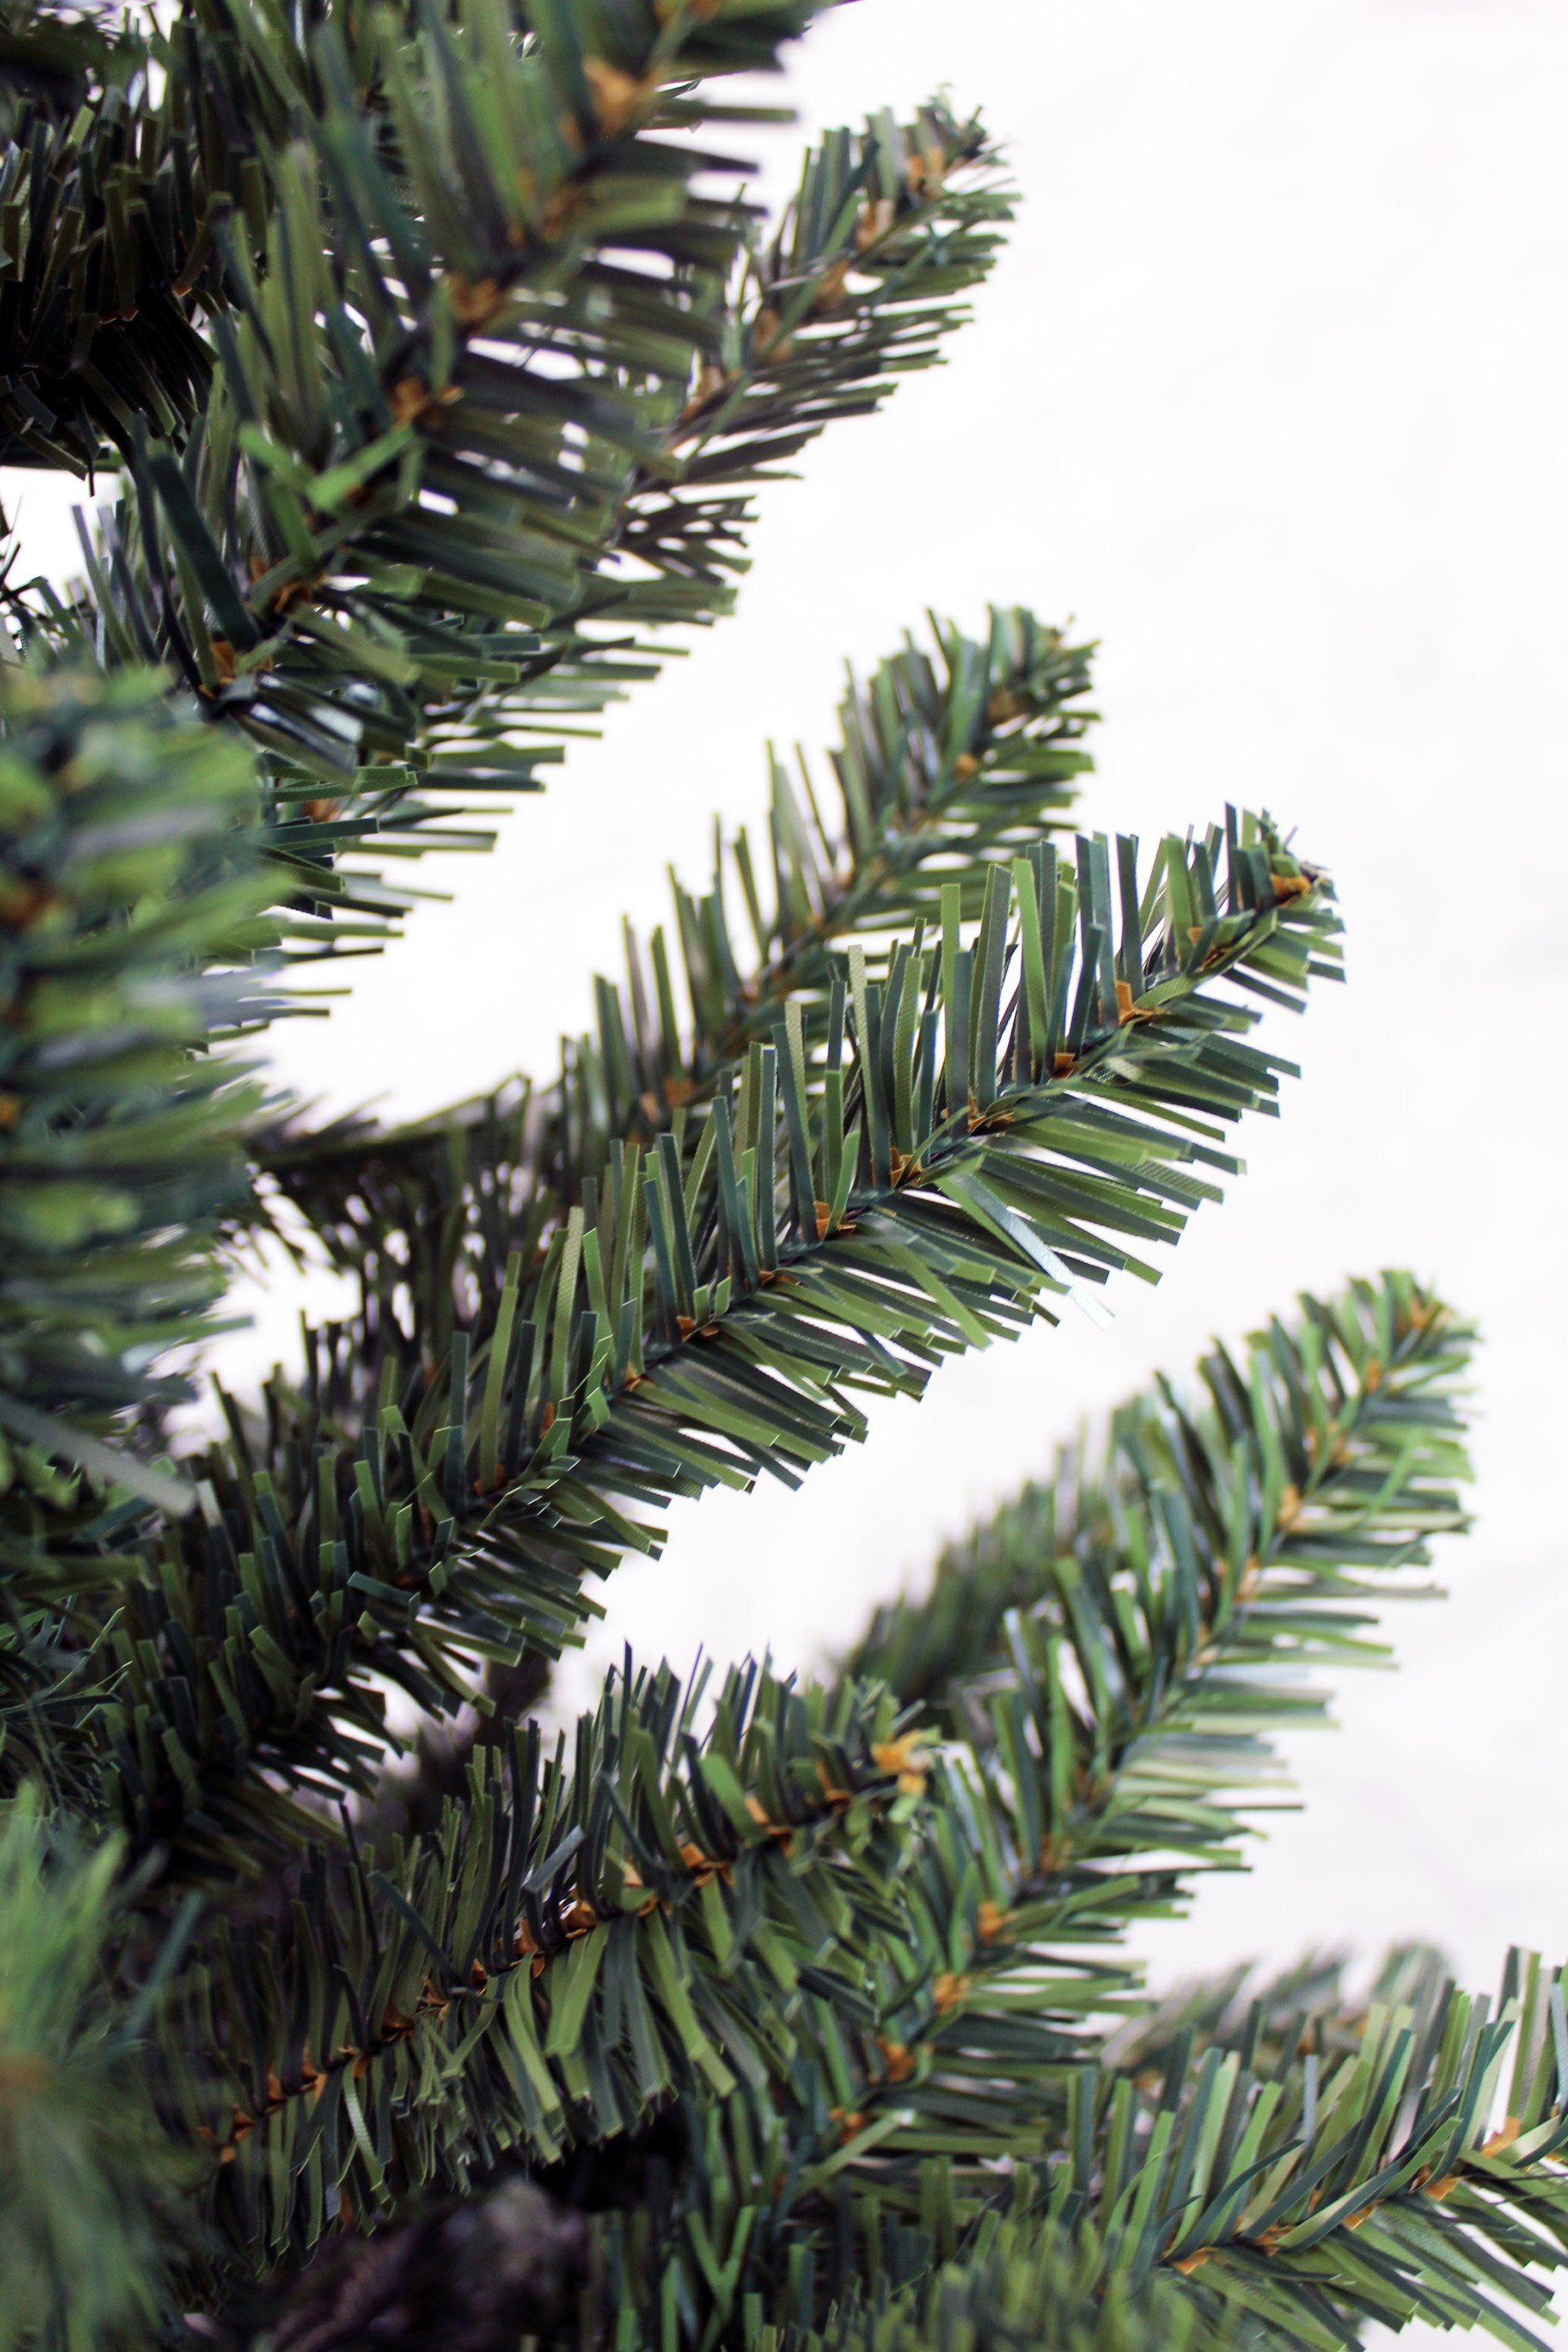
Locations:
(421, 357)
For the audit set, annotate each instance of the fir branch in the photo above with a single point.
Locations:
(112, 203)
(945, 766)
(571, 1950)
(1115, 1651)
(119, 1140)
(854, 288)
(1025, 2283)
(439, 359)
(88, 2182)
(850, 1215)
(1286, 2208)
(895, 2062)
(1383, 2185)
(491, 369)
(654, 543)
(1117, 1648)
(1402, 2160)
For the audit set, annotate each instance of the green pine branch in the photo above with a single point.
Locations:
(90, 2190)
(574, 557)
(111, 206)
(855, 287)
(440, 356)
(1022, 2285)
(962, 1998)
(919, 1166)
(1104, 1704)
(120, 1142)
(1117, 1649)
(1417, 2175)
(432, 411)
(947, 763)
(581, 1941)
(142, 218)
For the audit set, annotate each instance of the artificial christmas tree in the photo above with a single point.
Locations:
(432, 355)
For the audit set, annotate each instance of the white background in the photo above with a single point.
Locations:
(1269, 394)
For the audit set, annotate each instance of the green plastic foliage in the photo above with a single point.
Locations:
(49, 60)
(148, 214)
(95, 238)
(1100, 1733)
(1283, 2202)
(873, 1936)
(1413, 2176)
(950, 761)
(127, 879)
(1114, 1651)
(438, 356)
(86, 2178)
(1413, 2171)
(581, 1941)
(1025, 2284)
(429, 352)
(939, 1142)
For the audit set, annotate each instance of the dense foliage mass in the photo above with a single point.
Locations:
(429, 353)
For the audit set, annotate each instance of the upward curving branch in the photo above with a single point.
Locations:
(439, 365)
(572, 1955)
(934, 1145)
(1117, 1649)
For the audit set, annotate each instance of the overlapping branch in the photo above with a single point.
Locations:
(430, 346)
(120, 1141)
(949, 762)
(438, 355)
(581, 1941)
(1117, 1649)
(1297, 2168)
(1417, 2175)
(938, 1144)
